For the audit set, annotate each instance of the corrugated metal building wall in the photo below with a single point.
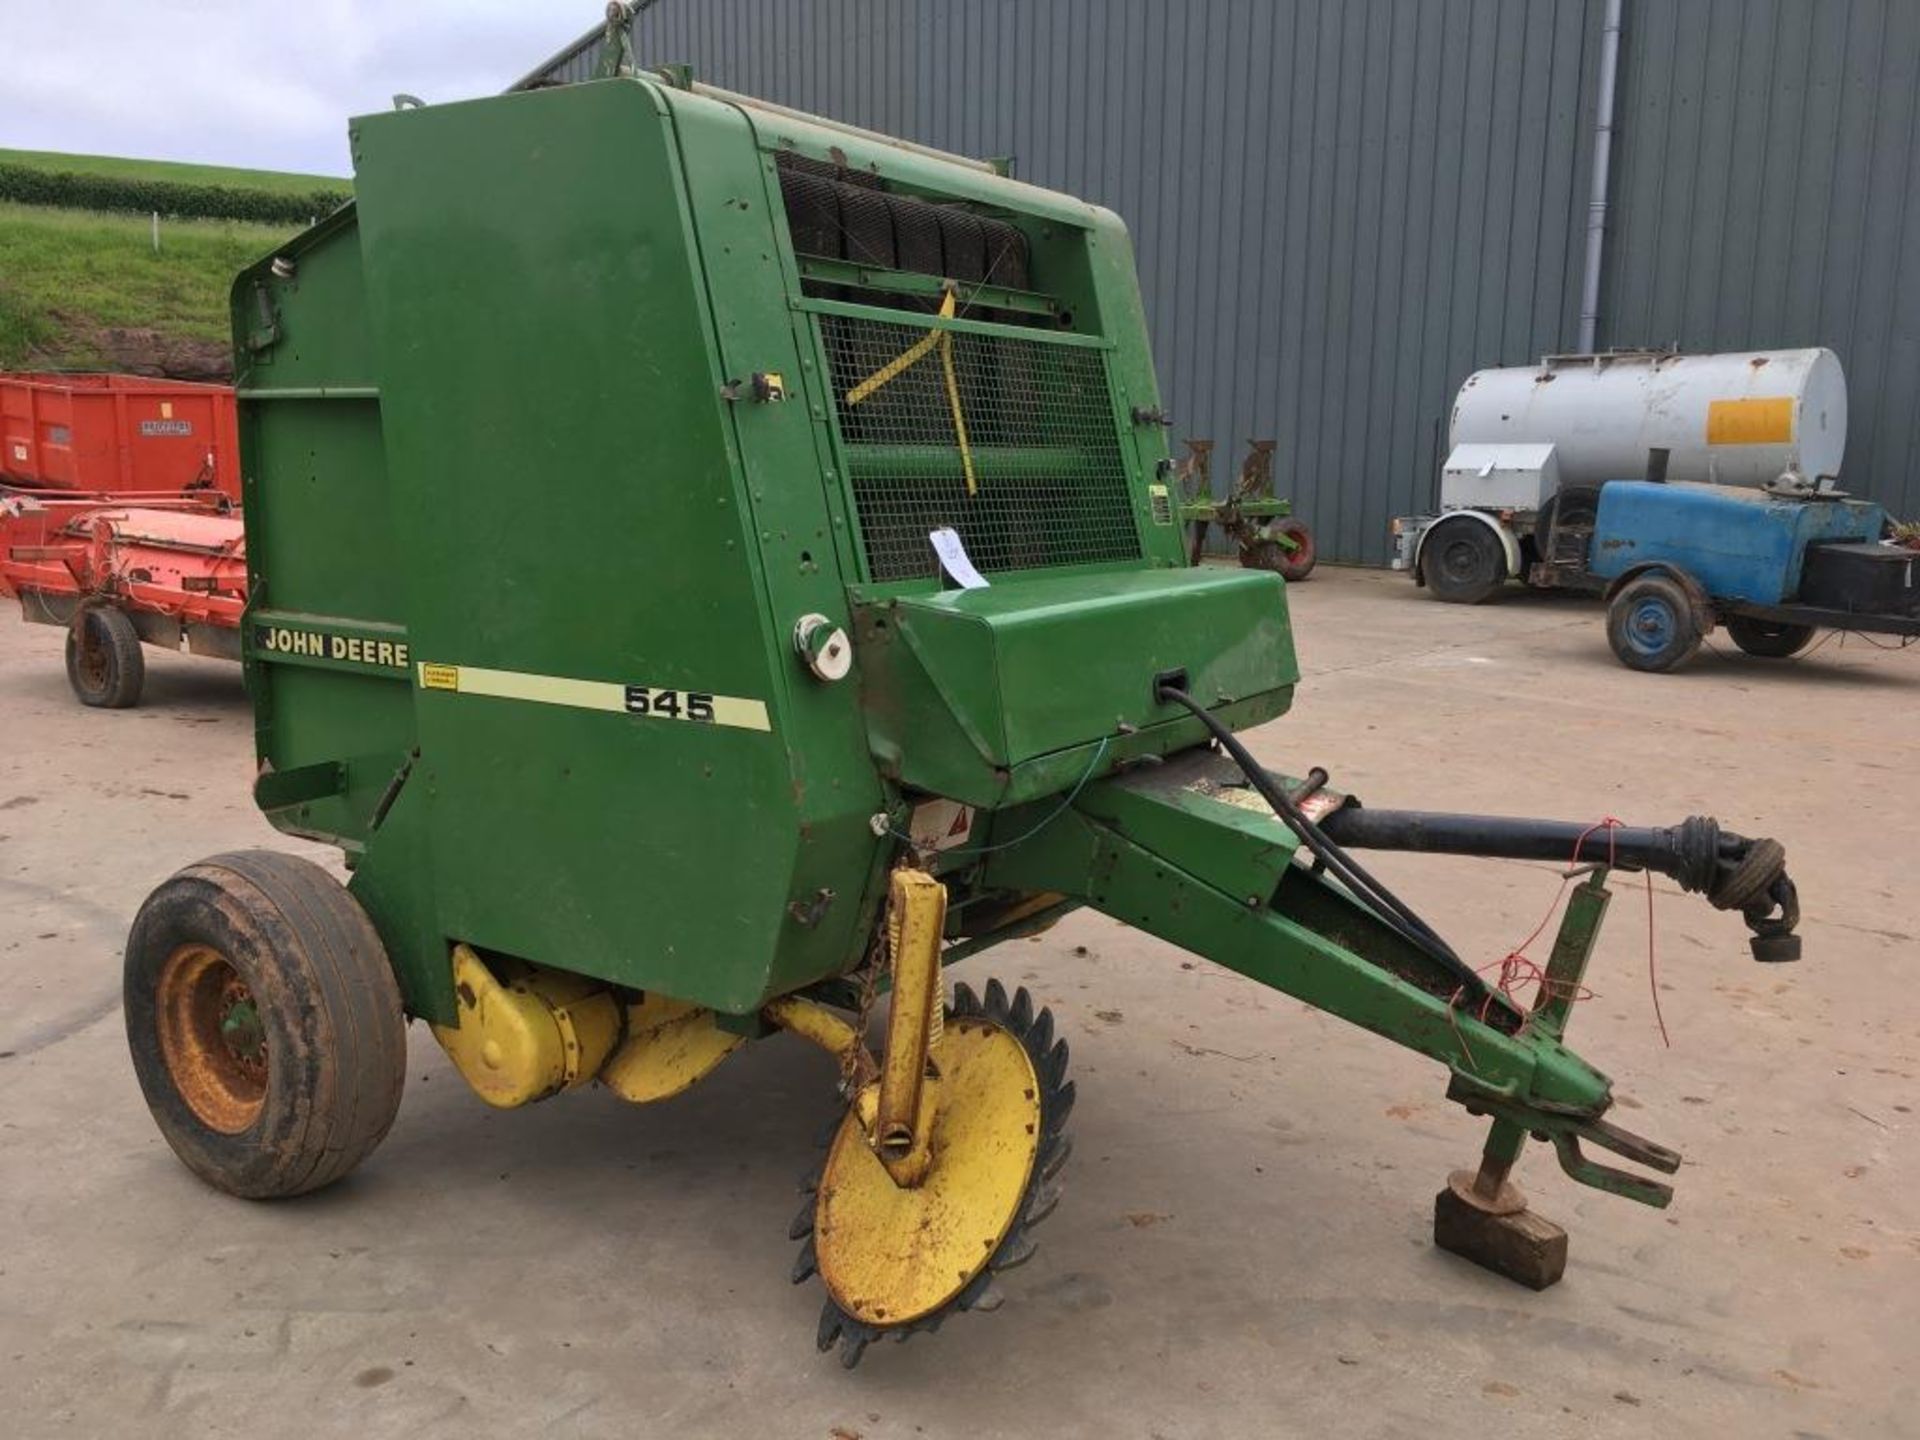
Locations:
(1343, 207)
(1771, 151)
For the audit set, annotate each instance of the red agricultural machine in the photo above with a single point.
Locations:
(119, 519)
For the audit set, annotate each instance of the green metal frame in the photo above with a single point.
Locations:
(929, 287)
(1222, 881)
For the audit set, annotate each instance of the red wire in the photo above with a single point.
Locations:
(1653, 980)
(1607, 823)
(1518, 968)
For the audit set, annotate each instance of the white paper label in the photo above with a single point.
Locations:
(953, 559)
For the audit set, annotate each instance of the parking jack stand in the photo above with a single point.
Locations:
(1482, 1215)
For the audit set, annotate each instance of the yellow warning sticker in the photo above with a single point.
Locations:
(439, 677)
(1764, 420)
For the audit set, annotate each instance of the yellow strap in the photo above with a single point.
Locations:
(895, 367)
(953, 404)
(913, 355)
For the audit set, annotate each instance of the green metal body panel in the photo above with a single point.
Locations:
(1162, 850)
(966, 692)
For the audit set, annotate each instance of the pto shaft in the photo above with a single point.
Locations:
(1735, 873)
(1684, 852)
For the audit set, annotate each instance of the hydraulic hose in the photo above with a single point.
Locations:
(1396, 913)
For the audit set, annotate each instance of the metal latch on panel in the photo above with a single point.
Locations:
(265, 330)
(823, 647)
(763, 387)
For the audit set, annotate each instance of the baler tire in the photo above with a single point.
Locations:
(1651, 625)
(1768, 639)
(328, 1030)
(1462, 562)
(104, 663)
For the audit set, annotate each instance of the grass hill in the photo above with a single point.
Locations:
(122, 167)
(86, 289)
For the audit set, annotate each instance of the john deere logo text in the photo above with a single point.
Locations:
(349, 649)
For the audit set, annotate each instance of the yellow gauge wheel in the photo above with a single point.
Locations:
(895, 1258)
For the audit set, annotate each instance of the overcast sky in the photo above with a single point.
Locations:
(263, 83)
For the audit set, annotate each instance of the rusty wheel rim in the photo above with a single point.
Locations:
(91, 660)
(212, 1038)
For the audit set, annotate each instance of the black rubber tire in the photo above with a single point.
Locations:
(1768, 639)
(109, 670)
(1651, 625)
(1462, 562)
(335, 1033)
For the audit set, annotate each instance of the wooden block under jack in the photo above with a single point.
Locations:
(1499, 1233)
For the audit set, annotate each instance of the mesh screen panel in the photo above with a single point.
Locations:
(1052, 488)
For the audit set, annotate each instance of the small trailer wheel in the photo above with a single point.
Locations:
(104, 663)
(265, 1023)
(1462, 561)
(1293, 565)
(1768, 639)
(1650, 625)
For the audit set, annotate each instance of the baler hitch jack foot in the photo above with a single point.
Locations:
(1482, 1216)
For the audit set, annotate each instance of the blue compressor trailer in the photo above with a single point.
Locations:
(1676, 559)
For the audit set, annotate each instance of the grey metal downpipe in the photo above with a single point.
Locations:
(1603, 108)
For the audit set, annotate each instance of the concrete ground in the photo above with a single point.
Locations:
(1243, 1247)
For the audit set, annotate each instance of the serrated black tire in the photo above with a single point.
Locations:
(334, 1030)
(104, 663)
(1035, 1032)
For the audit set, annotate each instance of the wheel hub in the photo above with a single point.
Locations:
(1651, 625)
(92, 658)
(212, 1038)
(1461, 561)
(241, 1028)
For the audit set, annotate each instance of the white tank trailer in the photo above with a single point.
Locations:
(1530, 445)
(1737, 419)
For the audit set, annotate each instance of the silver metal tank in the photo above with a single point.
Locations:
(1744, 418)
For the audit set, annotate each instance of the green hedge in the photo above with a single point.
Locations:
(31, 186)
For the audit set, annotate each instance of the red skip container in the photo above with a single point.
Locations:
(119, 434)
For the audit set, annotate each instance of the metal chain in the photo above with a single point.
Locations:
(879, 953)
